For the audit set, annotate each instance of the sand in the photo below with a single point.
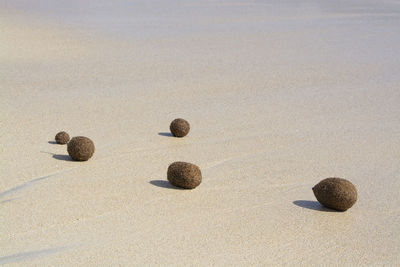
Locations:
(279, 95)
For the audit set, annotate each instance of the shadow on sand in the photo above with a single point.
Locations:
(164, 184)
(62, 157)
(312, 205)
(59, 156)
(165, 134)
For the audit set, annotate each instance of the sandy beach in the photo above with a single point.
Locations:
(279, 95)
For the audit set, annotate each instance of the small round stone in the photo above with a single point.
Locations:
(336, 193)
(179, 127)
(62, 138)
(80, 148)
(183, 174)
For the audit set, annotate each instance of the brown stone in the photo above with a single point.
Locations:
(179, 127)
(80, 148)
(183, 174)
(62, 138)
(336, 193)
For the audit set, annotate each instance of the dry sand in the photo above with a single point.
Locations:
(279, 95)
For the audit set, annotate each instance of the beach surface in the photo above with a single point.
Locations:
(279, 95)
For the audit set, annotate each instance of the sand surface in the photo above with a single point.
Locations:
(279, 94)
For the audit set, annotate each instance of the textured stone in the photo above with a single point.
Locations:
(179, 127)
(62, 138)
(81, 148)
(183, 174)
(336, 193)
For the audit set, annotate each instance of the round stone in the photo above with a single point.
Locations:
(179, 127)
(80, 148)
(183, 174)
(336, 193)
(62, 138)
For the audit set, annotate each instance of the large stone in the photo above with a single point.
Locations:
(183, 174)
(80, 148)
(336, 193)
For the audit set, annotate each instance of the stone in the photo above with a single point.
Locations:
(80, 148)
(336, 193)
(183, 174)
(179, 127)
(62, 138)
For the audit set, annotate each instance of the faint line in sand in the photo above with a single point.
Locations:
(30, 183)
(23, 256)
